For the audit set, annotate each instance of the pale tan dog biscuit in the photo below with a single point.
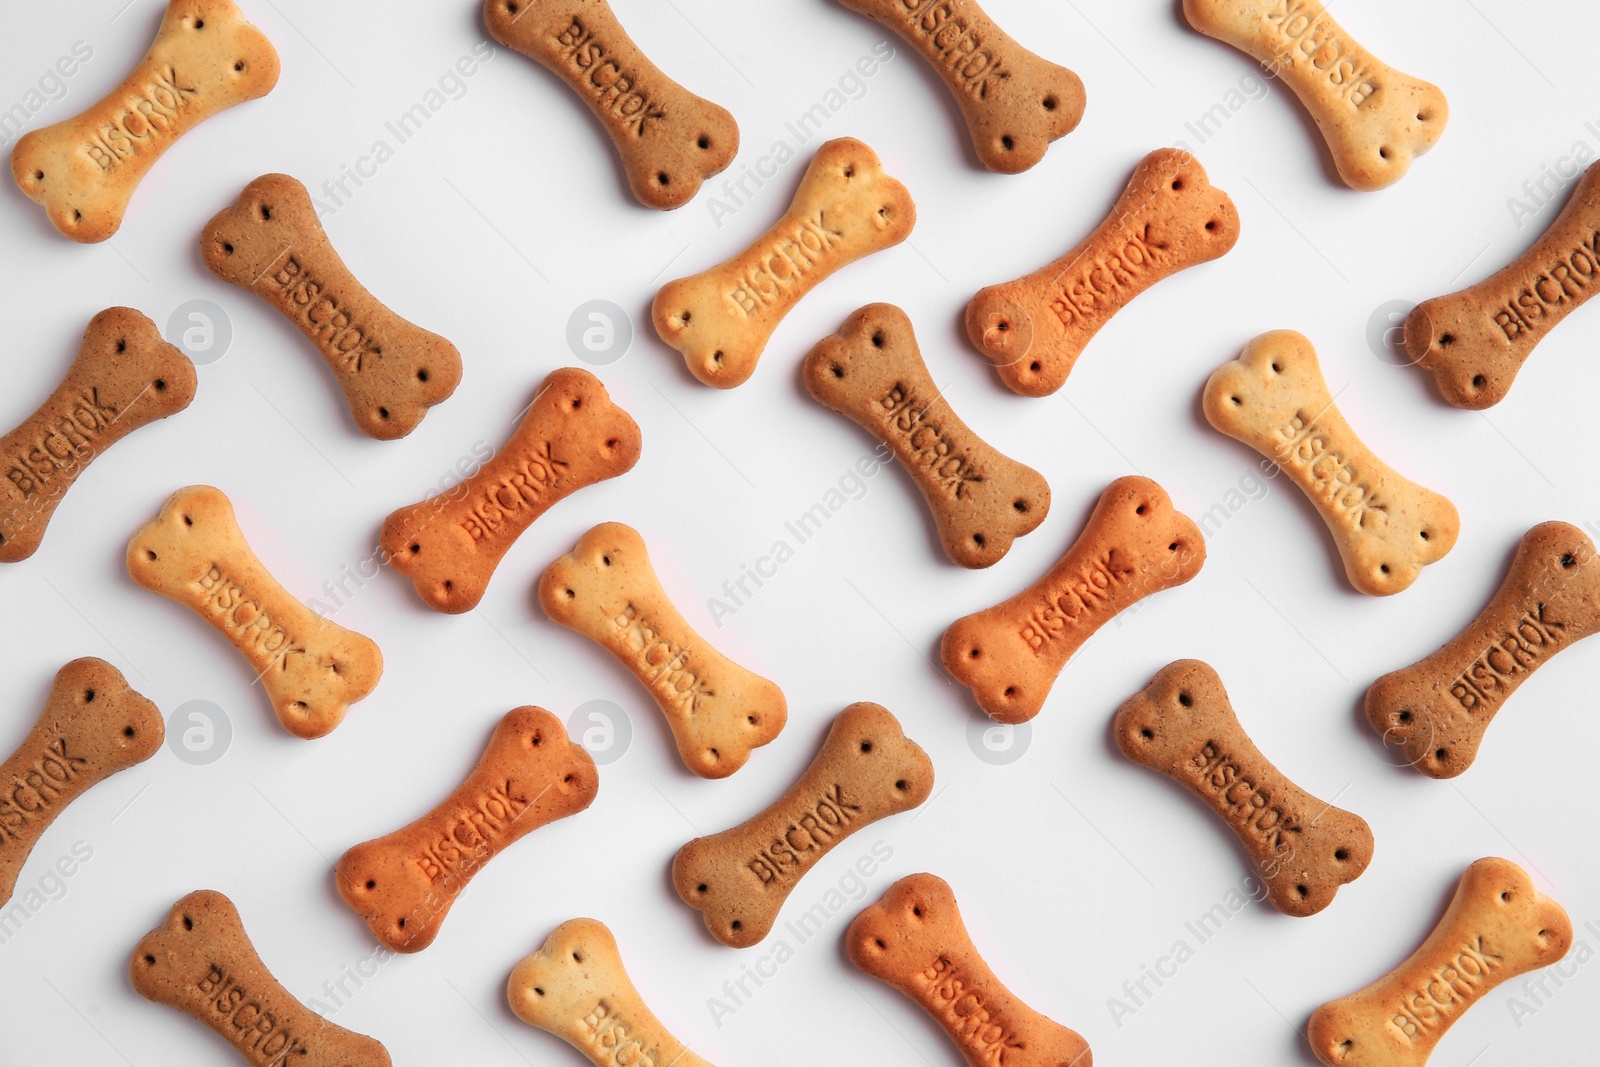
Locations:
(450, 544)
(1437, 710)
(92, 726)
(576, 988)
(670, 140)
(845, 209)
(1498, 926)
(718, 711)
(1375, 119)
(312, 668)
(1135, 544)
(1475, 341)
(914, 940)
(404, 884)
(270, 243)
(206, 58)
(1183, 726)
(872, 372)
(1169, 218)
(200, 961)
(1015, 103)
(1387, 528)
(124, 377)
(738, 879)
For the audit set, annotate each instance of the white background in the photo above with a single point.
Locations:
(1072, 866)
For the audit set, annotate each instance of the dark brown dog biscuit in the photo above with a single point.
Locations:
(872, 373)
(270, 243)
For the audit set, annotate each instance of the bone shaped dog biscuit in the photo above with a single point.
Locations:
(124, 377)
(718, 711)
(194, 553)
(206, 58)
(200, 961)
(670, 140)
(1475, 341)
(1375, 119)
(270, 243)
(914, 940)
(1183, 726)
(845, 209)
(450, 544)
(1134, 544)
(1015, 103)
(576, 988)
(872, 372)
(1387, 528)
(1169, 218)
(93, 725)
(404, 884)
(738, 879)
(1497, 927)
(1437, 710)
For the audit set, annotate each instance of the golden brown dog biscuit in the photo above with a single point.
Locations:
(845, 209)
(201, 962)
(1497, 927)
(872, 373)
(606, 590)
(206, 58)
(312, 668)
(1183, 726)
(1169, 218)
(1015, 103)
(404, 884)
(572, 436)
(92, 726)
(124, 377)
(1475, 341)
(1437, 710)
(270, 243)
(1387, 528)
(1375, 119)
(914, 940)
(1135, 544)
(670, 140)
(576, 988)
(738, 879)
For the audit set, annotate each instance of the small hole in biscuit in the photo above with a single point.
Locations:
(1302, 890)
(1569, 560)
(916, 909)
(1340, 854)
(663, 179)
(1147, 733)
(1236, 401)
(1478, 381)
(1002, 326)
(1211, 226)
(883, 212)
(866, 746)
(838, 371)
(1049, 103)
(1034, 366)
(1505, 896)
(684, 318)
(150, 961)
(879, 942)
(371, 884)
(77, 216)
(199, 24)
(122, 344)
(877, 339)
(850, 171)
(567, 780)
(1007, 143)
(571, 595)
(1423, 534)
(188, 923)
(606, 560)
(1186, 700)
(704, 142)
(1383, 568)
(227, 246)
(238, 68)
(714, 754)
(536, 990)
(1383, 153)
(536, 740)
(161, 385)
(978, 540)
(88, 696)
(975, 653)
(415, 549)
(752, 720)
(1440, 754)
(1446, 340)
(1011, 690)
(1404, 716)
(266, 213)
(1177, 183)
(1140, 510)
(448, 585)
(612, 442)
(1020, 505)
(1173, 547)
(902, 785)
(383, 413)
(1424, 115)
(401, 924)
(422, 375)
(188, 521)
(150, 555)
(736, 925)
(701, 888)
(511, 8)
(38, 175)
(1276, 369)
(716, 357)
(128, 731)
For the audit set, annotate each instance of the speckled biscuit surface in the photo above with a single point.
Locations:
(872, 373)
(670, 140)
(1015, 103)
(124, 377)
(738, 879)
(845, 209)
(312, 668)
(718, 711)
(1438, 709)
(200, 961)
(405, 883)
(1498, 926)
(206, 58)
(270, 243)
(1135, 544)
(450, 544)
(1387, 528)
(1169, 218)
(914, 940)
(1183, 726)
